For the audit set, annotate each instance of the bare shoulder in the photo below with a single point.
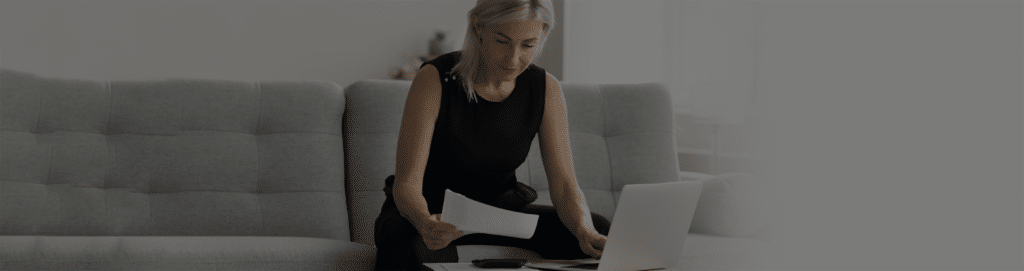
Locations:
(427, 77)
(426, 85)
(424, 98)
(552, 86)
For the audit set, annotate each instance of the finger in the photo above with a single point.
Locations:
(600, 242)
(598, 250)
(447, 226)
(596, 253)
(439, 244)
(444, 233)
(446, 229)
(429, 242)
(587, 249)
(451, 235)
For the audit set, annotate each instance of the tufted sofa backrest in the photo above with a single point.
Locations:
(619, 135)
(171, 157)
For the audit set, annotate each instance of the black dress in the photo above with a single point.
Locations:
(475, 150)
(477, 146)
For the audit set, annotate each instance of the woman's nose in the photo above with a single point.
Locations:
(511, 58)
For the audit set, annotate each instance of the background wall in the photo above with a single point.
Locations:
(893, 130)
(898, 132)
(340, 41)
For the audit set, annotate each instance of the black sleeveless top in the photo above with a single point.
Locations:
(477, 146)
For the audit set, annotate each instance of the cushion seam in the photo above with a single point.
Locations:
(633, 133)
(110, 109)
(259, 106)
(259, 109)
(39, 117)
(607, 149)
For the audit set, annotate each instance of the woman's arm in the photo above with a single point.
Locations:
(566, 195)
(421, 107)
(418, 117)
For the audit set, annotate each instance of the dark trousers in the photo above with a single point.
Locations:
(400, 247)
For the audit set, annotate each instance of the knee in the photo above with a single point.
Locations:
(393, 229)
(449, 254)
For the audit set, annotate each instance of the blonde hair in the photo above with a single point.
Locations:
(491, 12)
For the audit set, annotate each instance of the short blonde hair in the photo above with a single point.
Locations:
(491, 12)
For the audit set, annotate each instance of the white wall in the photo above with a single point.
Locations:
(340, 41)
(895, 128)
(614, 42)
(898, 132)
(697, 49)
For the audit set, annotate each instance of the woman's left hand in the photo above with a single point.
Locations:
(592, 243)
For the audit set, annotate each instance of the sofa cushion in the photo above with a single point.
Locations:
(373, 116)
(731, 204)
(170, 157)
(182, 253)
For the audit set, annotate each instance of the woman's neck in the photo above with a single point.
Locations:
(493, 87)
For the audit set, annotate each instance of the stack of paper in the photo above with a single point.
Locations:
(471, 216)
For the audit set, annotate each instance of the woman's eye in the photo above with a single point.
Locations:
(528, 45)
(502, 42)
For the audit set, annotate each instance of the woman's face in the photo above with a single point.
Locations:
(508, 48)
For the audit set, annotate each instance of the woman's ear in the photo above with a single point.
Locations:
(474, 23)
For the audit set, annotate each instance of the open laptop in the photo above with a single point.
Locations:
(650, 224)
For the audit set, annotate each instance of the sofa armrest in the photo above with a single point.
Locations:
(731, 205)
(694, 176)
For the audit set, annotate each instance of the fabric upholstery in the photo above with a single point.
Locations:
(171, 157)
(619, 134)
(732, 204)
(373, 116)
(182, 253)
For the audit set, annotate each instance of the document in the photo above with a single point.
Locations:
(471, 216)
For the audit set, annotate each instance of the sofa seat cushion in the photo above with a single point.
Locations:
(182, 253)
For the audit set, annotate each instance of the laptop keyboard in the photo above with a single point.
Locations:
(587, 266)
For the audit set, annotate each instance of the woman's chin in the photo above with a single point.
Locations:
(510, 74)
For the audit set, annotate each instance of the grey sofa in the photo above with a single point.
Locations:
(195, 174)
(173, 175)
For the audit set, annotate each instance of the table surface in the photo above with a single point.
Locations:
(464, 266)
(469, 266)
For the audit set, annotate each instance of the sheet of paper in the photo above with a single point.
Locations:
(472, 216)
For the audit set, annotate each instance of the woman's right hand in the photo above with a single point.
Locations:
(438, 234)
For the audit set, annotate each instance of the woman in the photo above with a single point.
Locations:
(468, 123)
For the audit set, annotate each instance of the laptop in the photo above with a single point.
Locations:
(650, 224)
